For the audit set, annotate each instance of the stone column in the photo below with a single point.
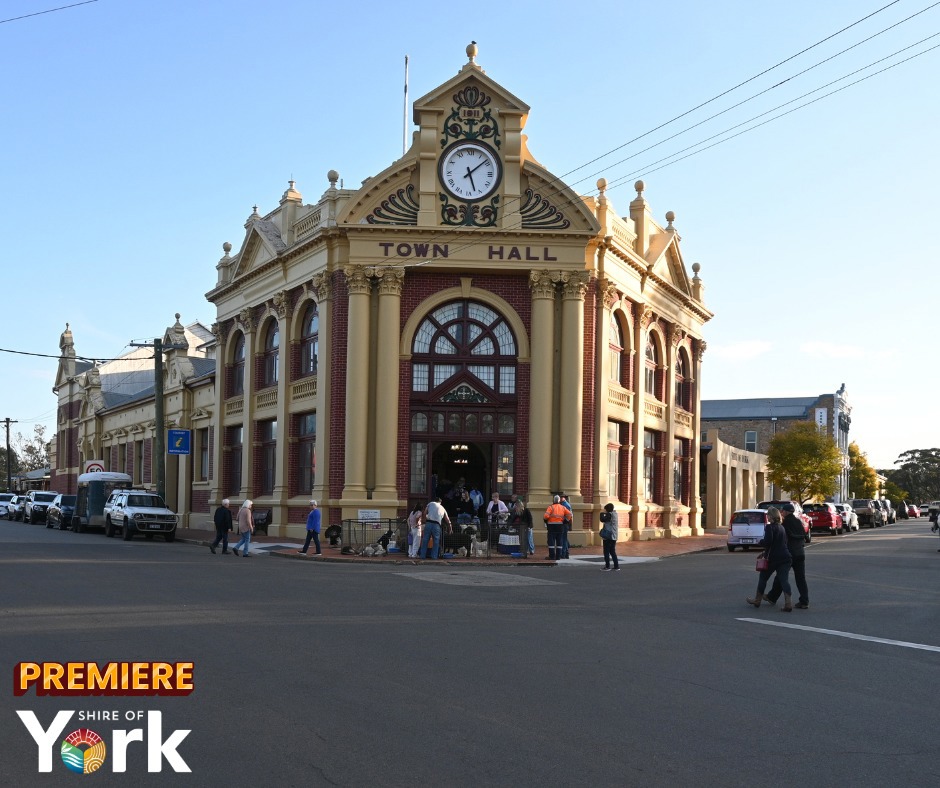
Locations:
(571, 388)
(542, 385)
(674, 336)
(606, 296)
(387, 383)
(281, 304)
(323, 292)
(216, 493)
(642, 315)
(695, 516)
(357, 381)
(247, 322)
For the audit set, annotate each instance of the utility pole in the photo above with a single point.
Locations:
(8, 421)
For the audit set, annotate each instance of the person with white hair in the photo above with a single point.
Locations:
(223, 524)
(246, 527)
(313, 529)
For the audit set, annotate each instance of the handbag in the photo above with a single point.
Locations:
(763, 563)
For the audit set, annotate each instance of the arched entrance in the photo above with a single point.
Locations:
(463, 401)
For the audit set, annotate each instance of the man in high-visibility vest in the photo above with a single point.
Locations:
(556, 519)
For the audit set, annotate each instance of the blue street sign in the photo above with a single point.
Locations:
(178, 441)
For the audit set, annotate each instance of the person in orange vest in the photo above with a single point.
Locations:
(556, 519)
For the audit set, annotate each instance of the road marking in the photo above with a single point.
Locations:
(837, 633)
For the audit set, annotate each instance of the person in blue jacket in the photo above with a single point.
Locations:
(313, 529)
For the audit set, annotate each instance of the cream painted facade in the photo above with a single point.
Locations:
(736, 479)
(462, 311)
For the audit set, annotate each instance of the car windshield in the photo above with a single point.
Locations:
(749, 518)
(44, 497)
(145, 500)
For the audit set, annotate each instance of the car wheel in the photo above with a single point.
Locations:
(108, 528)
(127, 534)
(170, 537)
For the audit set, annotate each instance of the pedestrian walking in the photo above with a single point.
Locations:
(435, 515)
(313, 529)
(556, 519)
(610, 533)
(415, 519)
(778, 560)
(223, 524)
(246, 527)
(796, 539)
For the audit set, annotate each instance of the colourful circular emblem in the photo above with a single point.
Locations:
(83, 751)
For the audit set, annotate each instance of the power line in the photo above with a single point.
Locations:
(454, 233)
(49, 11)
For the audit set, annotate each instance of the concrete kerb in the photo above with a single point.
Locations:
(653, 549)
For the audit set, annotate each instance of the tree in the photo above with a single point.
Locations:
(804, 461)
(34, 452)
(863, 481)
(919, 472)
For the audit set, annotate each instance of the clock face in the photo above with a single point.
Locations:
(470, 171)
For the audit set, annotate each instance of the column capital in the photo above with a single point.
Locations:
(390, 279)
(357, 279)
(700, 350)
(246, 320)
(321, 286)
(574, 286)
(542, 284)
(674, 334)
(280, 301)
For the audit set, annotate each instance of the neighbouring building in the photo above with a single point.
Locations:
(750, 424)
(462, 314)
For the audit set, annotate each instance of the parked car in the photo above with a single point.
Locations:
(797, 510)
(746, 529)
(37, 502)
(891, 516)
(824, 517)
(15, 507)
(138, 511)
(913, 510)
(5, 499)
(59, 514)
(849, 518)
(868, 512)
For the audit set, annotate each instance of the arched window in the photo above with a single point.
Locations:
(467, 345)
(272, 342)
(652, 363)
(310, 340)
(615, 350)
(682, 381)
(238, 367)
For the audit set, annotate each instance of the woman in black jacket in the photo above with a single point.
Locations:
(778, 558)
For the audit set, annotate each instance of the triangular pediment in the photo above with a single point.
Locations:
(665, 264)
(262, 244)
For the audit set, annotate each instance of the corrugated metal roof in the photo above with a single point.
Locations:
(758, 408)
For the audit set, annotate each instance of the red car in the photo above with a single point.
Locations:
(824, 517)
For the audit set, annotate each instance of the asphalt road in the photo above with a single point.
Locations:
(353, 675)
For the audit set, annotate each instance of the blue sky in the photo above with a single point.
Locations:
(137, 136)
